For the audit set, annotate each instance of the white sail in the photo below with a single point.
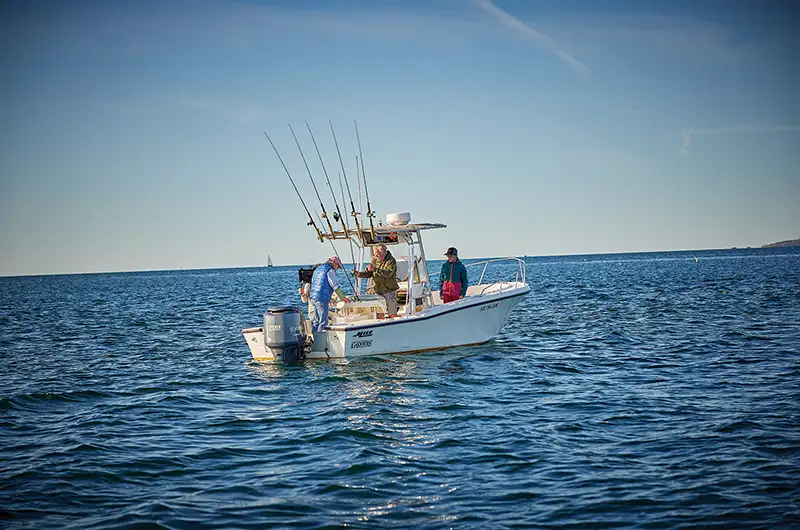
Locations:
(269, 260)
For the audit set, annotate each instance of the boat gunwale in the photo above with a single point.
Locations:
(417, 317)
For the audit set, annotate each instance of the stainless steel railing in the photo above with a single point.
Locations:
(519, 275)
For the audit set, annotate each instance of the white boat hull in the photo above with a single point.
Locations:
(471, 320)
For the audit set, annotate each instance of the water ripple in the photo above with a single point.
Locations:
(644, 391)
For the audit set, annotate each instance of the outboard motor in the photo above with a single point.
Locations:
(284, 333)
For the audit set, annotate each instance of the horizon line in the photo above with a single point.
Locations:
(522, 256)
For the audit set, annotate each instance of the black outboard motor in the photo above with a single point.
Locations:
(284, 333)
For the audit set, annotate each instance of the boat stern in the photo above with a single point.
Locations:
(255, 341)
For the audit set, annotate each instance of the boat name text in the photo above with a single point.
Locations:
(490, 306)
(362, 334)
(361, 344)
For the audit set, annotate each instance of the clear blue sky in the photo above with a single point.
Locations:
(132, 132)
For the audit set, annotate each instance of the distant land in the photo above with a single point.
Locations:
(788, 243)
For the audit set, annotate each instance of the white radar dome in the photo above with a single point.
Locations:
(398, 219)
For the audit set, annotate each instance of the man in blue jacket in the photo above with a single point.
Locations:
(453, 279)
(323, 285)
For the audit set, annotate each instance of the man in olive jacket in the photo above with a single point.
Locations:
(383, 271)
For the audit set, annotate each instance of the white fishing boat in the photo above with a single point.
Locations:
(423, 322)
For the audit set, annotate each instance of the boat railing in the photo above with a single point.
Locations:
(519, 274)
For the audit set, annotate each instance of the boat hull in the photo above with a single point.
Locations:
(471, 320)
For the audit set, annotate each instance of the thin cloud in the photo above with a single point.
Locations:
(658, 37)
(516, 24)
(738, 129)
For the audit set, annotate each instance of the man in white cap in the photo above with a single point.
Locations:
(323, 285)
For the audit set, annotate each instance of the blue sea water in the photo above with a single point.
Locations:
(635, 390)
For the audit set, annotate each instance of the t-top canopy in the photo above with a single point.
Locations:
(392, 234)
(404, 228)
(383, 234)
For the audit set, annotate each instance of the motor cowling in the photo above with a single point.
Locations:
(284, 333)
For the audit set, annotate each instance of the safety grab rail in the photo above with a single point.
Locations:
(518, 276)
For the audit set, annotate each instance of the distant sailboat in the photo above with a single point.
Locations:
(269, 261)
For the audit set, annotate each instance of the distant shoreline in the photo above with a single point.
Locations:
(787, 243)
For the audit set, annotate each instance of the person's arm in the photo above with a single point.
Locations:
(441, 281)
(464, 281)
(335, 285)
(332, 281)
(385, 270)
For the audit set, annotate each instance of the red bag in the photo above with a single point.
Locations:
(451, 290)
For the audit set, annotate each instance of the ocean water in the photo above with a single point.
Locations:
(638, 390)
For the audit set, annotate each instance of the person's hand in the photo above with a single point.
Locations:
(370, 267)
(346, 300)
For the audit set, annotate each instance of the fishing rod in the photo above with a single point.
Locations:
(336, 253)
(341, 186)
(316, 214)
(310, 219)
(338, 212)
(322, 206)
(352, 206)
(352, 253)
(370, 213)
(341, 218)
(360, 204)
